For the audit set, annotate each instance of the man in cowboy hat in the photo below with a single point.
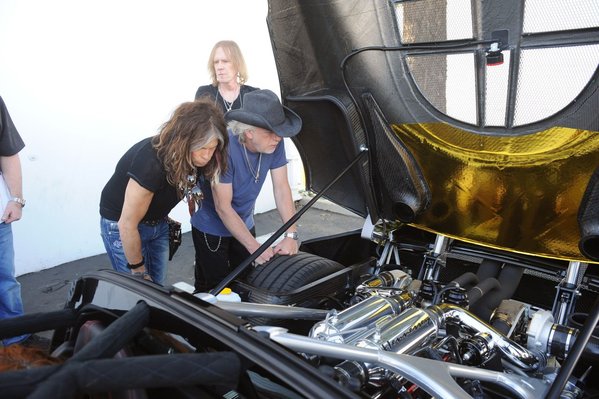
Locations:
(223, 231)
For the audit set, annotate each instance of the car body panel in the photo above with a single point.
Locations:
(517, 187)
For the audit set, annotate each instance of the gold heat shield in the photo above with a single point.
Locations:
(517, 193)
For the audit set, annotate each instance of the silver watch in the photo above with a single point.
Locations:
(19, 201)
(292, 234)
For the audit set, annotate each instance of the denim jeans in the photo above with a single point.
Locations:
(154, 247)
(11, 304)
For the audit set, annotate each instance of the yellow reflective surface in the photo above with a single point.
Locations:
(519, 193)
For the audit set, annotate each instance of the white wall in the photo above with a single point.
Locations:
(84, 80)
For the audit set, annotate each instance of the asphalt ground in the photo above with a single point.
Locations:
(47, 290)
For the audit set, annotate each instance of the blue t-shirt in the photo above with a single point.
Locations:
(245, 187)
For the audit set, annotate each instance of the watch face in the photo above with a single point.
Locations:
(292, 235)
(18, 200)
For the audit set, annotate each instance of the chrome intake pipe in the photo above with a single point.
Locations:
(513, 352)
(411, 330)
(360, 319)
(246, 309)
(434, 377)
(406, 333)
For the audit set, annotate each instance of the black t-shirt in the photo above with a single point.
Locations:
(10, 140)
(212, 92)
(141, 164)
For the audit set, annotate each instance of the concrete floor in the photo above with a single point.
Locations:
(47, 290)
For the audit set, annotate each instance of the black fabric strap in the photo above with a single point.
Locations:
(135, 266)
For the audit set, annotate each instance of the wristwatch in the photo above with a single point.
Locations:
(18, 200)
(292, 234)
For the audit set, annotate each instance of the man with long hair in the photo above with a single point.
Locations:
(150, 180)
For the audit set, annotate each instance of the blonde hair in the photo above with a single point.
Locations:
(192, 124)
(234, 53)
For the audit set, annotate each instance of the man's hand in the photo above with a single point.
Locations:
(287, 246)
(13, 212)
(264, 256)
(141, 273)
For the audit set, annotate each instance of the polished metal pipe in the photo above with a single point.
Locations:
(411, 330)
(434, 377)
(246, 309)
(513, 352)
(360, 318)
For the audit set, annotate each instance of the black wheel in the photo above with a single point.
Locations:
(288, 280)
(285, 274)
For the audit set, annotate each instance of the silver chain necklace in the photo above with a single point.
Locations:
(255, 173)
(229, 105)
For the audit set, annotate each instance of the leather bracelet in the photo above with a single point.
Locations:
(135, 266)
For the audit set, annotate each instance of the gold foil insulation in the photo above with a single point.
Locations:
(517, 193)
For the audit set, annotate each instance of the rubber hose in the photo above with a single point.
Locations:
(508, 278)
(482, 289)
(488, 268)
(465, 279)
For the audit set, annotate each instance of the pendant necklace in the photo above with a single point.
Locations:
(256, 173)
(229, 105)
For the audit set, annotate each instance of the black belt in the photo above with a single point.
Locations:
(152, 222)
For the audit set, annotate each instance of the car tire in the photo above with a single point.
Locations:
(286, 280)
(287, 273)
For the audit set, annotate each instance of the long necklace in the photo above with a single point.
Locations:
(255, 173)
(229, 105)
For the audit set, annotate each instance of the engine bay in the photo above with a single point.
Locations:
(444, 319)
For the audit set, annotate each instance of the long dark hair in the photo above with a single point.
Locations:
(192, 124)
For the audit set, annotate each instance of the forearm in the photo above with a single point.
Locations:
(11, 171)
(135, 206)
(285, 205)
(131, 241)
(237, 228)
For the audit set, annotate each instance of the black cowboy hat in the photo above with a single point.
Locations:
(262, 108)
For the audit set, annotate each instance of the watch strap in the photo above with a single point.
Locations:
(135, 266)
(19, 201)
(292, 235)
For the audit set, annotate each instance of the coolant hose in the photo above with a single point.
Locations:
(488, 268)
(466, 279)
(483, 288)
(508, 278)
(574, 354)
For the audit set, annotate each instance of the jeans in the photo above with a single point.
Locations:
(154, 247)
(11, 304)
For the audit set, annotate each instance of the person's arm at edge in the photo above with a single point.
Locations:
(286, 208)
(136, 204)
(11, 171)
